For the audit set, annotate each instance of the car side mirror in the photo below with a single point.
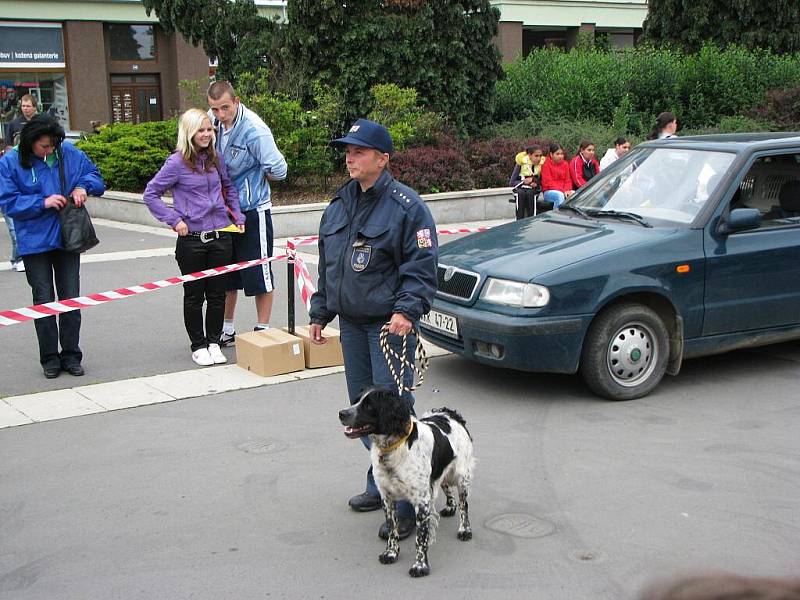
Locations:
(739, 219)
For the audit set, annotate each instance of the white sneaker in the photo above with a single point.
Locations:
(216, 354)
(202, 357)
(18, 266)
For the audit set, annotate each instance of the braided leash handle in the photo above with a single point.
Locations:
(391, 356)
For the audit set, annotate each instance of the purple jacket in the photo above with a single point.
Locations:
(196, 195)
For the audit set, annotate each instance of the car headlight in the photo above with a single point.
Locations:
(515, 293)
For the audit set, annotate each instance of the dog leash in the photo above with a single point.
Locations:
(390, 356)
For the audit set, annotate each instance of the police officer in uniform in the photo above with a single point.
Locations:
(377, 264)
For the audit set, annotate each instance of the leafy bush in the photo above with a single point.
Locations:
(493, 160)
(431, 170)
(431, 129)
(781, 107)
(565, 132)
(741, 124)
(630, 87)
(397, 109)
(301, 135)
(194, 93)
(129, 155)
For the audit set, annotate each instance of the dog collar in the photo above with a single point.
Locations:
(398, 443)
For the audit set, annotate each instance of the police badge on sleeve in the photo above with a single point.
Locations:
(360, 258)
(424, 238)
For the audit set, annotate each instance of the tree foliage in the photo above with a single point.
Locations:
(441, 48)
(303, 135)
(232, 32)
(771, 25)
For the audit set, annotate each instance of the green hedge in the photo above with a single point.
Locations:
(632, 86)
(129, 155)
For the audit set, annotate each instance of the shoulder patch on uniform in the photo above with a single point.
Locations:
(424, 238)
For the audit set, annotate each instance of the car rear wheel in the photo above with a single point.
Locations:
(625, 352)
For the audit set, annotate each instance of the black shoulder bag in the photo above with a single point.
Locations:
(77, 231)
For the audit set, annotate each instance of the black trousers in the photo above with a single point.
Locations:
(41, 270)
(193, 255)
(526, 199)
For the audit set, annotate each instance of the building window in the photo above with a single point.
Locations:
(132, 42)
(49, 91)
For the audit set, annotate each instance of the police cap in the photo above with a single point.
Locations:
(368, 134)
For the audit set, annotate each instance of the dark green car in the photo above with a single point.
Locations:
(682, 248)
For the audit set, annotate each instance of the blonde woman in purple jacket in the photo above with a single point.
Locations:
(204, 202)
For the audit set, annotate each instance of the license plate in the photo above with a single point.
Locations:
(441, 322)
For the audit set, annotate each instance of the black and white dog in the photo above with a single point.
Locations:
(411, 458)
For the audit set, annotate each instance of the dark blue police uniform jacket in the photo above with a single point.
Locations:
(378, 254)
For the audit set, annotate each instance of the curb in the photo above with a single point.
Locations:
(79, 401)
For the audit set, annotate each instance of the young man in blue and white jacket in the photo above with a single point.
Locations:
(249, 152)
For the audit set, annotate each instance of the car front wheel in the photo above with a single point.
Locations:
(625, 352)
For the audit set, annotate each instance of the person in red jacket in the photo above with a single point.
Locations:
(583, 165)
(556, 182)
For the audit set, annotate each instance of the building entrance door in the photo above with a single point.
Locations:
(135, 98)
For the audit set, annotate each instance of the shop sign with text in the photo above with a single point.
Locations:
(28, 45)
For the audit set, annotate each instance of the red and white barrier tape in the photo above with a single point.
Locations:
(313, 239)
(39, 311)
(304, 281)
(301, 273)
(304, 240)
(462, 230)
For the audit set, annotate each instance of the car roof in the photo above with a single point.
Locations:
(736, 142)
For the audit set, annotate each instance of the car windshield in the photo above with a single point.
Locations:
(655, 184)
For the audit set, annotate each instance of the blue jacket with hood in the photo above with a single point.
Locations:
(23, 191)
(251, 156)
(377, 255)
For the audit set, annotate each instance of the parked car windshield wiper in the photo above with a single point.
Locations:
(618, 214)
(574, 209)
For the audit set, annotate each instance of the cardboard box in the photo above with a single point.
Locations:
(269, 352)
(321, 355)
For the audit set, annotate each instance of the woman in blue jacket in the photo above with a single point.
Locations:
(32, 193)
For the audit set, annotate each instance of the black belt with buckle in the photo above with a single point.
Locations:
(205, 236)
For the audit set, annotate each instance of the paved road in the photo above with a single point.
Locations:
(243, 494)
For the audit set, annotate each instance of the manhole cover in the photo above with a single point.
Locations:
(519, 525)
(261, 446)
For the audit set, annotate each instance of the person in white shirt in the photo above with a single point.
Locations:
(621, 147)
(665, 127)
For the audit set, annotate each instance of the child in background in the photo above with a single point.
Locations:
(525, 181)
(556, 182)
(583, 165)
